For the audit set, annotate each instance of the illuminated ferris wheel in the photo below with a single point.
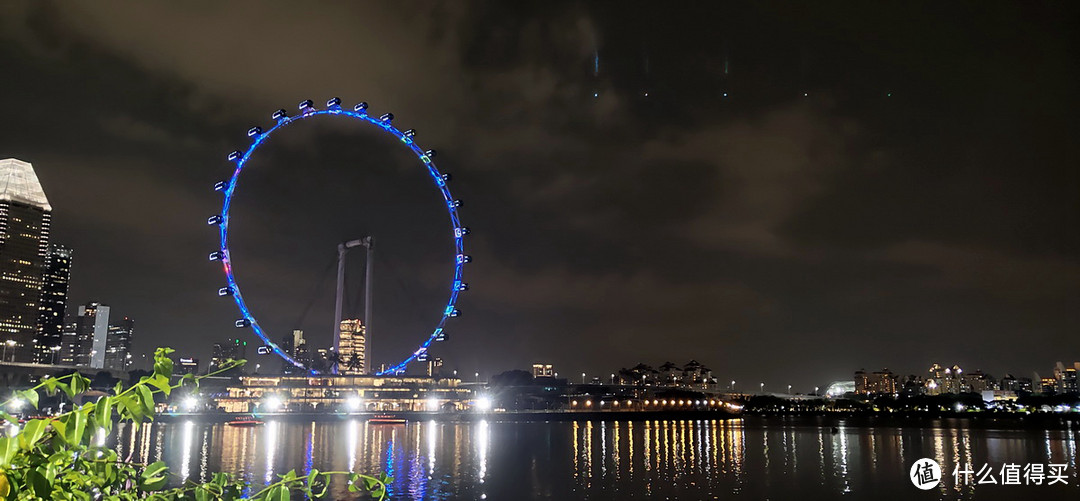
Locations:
(383, 122)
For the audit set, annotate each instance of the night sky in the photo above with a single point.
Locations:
(784, 194)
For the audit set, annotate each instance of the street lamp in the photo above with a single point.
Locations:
(816, 391)
(763, 387)
(582, 378)
(55, 351)
(732, 385)
(612, 378)
(789, 389)
(478, 376)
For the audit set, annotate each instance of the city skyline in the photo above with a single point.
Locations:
(764, 208)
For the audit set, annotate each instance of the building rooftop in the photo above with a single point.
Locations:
(19, 183)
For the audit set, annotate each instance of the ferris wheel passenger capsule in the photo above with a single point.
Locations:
(215, 219)
(242, 323)
(387, 118)
(446, 176)
(305, 104)
(221, 185)
(225, 291)
(255, 131)
(279, 114)
(431, 153)
(235, 155)
(332, 102)
(464, 258)
(454, 204)
(217, 256)
(360, 107)
(411, 133)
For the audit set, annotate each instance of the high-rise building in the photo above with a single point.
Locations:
(434, 367)
(231, 349)
(185, 365)
(54, 290)
(87, 347)
(69, 345)
(881, 382)
(350, 348)
(25, 216)
(296, 347)
(118, 345)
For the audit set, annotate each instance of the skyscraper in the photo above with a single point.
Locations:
(87, 347)
(54, 289)
(24, 239)
(118, 345)
(350, 348)
(231, 349)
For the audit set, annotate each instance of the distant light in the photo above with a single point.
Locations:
(483, 404)
(271, 403)
(596, 94)
(646, 94)
(190, 403)
(353, 403)
(432, 404)
(725, 94)
(805, 94)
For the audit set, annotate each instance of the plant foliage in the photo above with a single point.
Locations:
(62, 457)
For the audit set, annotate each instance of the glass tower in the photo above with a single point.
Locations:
(24, 242)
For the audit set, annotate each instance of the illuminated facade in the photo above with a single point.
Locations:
(881, 382)
(543, 370)
(25, 216)
(350, 348)
(118, 345)
(86, 347)
(54, 291)
(344, 394)
(231, 349)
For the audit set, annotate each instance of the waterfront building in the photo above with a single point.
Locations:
(56, 276)
(86, 346)
(1048, 386)
(25, 216)
(434, 367)
(944, 379)
(543, 370)
(977, 382)
(837, 389)
(350, 348)
(343, 393)
(118, 345)
(881, 382)
(230, 349)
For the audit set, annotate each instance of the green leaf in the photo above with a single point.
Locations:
(30, 396)
(103, 412)
(8, 417)
(39, 483)
(146, 397)
(133, 408)
(119, 388)
(79, 384)
(8, 447)
(50, 385)
(31, 433)
(161, 383)
(154, 476)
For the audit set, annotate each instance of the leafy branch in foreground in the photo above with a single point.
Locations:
(62, 457)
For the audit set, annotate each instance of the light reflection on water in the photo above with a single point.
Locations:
(676, 459)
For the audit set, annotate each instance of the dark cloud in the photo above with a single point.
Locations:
(916, 205)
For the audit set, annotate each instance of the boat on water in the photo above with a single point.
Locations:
(245, 422)
(386, 419)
